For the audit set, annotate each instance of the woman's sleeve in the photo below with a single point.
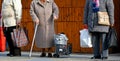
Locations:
(55, 9)
(18, 9)
(32, 12)
(110, 9)
(86, 9)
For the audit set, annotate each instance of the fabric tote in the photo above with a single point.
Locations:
(19, 37)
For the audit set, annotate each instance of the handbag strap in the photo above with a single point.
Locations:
(106, 6)
(19, 26)
(1, 22)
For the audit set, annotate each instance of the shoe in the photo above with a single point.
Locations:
(17, 55)
(97, 57)
(43, 55)
(104, 57)
(11, 55)
(49, 54)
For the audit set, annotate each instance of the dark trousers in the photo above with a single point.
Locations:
(14, 50)
(96, 38)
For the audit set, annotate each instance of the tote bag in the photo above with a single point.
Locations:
(19, 37)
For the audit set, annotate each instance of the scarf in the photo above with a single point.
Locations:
(96, 5)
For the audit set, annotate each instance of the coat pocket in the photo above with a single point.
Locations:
(7, 12)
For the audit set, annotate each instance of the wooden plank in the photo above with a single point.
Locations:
(0, 4)
(26, 14)
(26, 4)
(63, 3)
(78, 3)
(71, 14)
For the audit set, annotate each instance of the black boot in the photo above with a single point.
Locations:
(96, 57)
(11, 55)
(17, 51)
(43, 54)
(49, 54)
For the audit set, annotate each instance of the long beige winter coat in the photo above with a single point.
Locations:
(44, 13)
(11, 12)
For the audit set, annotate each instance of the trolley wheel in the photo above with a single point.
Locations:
(56, 55)
(66, 53)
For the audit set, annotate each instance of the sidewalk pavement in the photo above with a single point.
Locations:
(72, 57)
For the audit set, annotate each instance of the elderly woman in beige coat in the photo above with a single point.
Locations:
(11, 16)
(43, 13)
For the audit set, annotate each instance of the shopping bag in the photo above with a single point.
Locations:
(2, 37)
(85, 38)
(111, 39)
(19, 37)
(2, 40)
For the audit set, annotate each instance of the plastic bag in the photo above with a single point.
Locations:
(85, 38)
(111, 39)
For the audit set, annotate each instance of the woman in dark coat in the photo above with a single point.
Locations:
(43, 13)
(98, 31)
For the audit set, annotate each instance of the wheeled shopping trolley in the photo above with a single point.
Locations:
(61, 45)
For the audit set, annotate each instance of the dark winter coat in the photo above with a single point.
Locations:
(91, 18)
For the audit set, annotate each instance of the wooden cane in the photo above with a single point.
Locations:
(33, 40)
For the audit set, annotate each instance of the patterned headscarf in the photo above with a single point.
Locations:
(96, 5)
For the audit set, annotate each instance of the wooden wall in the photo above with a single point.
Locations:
(117, 23)
(70, 22)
